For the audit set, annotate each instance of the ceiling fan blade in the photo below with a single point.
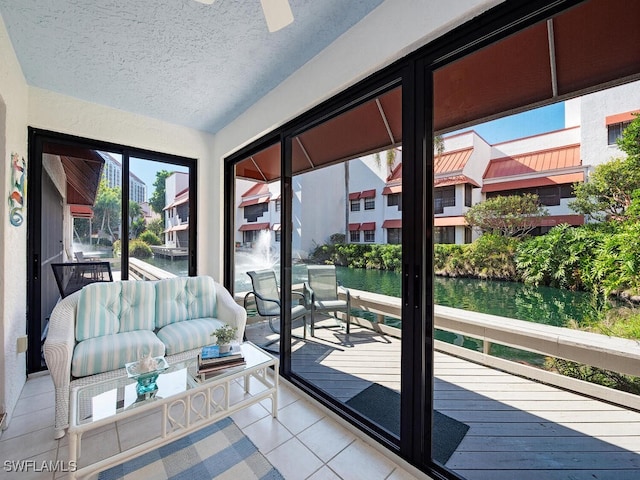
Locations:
(277, 13)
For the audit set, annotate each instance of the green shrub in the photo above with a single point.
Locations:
(150, 238)
(562, 258)
(616, 267)
(492, 256)
(139, 249)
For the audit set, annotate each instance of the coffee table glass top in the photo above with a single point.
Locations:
(110, 397)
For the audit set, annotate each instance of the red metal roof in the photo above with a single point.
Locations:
(396, 174)
(534, 182)
(392, 223)
(452, 161)
(254, 226)
(257, 189)
(533, 162)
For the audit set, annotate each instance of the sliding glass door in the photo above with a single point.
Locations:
(100, 213)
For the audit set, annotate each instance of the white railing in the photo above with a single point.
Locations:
(141, 270)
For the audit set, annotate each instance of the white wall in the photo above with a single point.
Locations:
(13, 275)
(594, 110)
(558, 138)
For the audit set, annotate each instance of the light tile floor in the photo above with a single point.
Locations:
(302, 443)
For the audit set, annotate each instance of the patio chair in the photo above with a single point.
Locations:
(71, 277)
(321, 291)
(267, 299)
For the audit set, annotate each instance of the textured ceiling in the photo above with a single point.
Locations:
(176, 60)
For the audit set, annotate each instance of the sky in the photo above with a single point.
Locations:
(532, 122)
(146, 171)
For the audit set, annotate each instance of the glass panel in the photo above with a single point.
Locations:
(158, 219)
(548, 243)
(345, 263)
(257, 244)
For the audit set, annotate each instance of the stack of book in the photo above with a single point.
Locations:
(210, 360)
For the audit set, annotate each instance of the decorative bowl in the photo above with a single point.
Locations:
(146, 380)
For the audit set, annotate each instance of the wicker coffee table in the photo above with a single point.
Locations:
(186, 402)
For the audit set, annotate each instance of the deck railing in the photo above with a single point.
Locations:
(609, 353)
(141, 270)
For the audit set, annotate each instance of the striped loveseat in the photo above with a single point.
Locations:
(95, 331)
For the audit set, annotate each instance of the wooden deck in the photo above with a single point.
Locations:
(518, 428)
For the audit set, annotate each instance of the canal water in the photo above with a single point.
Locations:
(546, 305)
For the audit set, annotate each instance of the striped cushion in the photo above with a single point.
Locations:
(98, 310)
(184, 298)
(138, 306)
(110, 352)
(181, 336)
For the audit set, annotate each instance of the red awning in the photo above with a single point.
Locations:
(392, 189)
(254, 201)
(368, 226)
(621, 117)
(449, 221)
(81, 211)
(354, 196)
(177, 228)
(368, 193)
(553, 220)
(392, 223)
(534, 182)
(454, 180)
(354, 227)
(254, 226)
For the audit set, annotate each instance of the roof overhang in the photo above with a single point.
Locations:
(83, 171)
(449, 221)
(505, 184)
(254, 226)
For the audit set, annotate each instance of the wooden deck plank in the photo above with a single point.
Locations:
(518, 428)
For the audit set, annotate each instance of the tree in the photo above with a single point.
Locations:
(157, 200)
(509, 216)
(607, 193)
(107, 210)
(156, 226)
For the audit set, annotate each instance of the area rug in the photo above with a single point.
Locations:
(447, 432)
(218, 451)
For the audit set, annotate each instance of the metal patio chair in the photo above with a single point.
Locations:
(267, 299)
(321, 291)
(71, 277)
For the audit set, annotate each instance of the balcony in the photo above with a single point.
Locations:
(523, 422)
